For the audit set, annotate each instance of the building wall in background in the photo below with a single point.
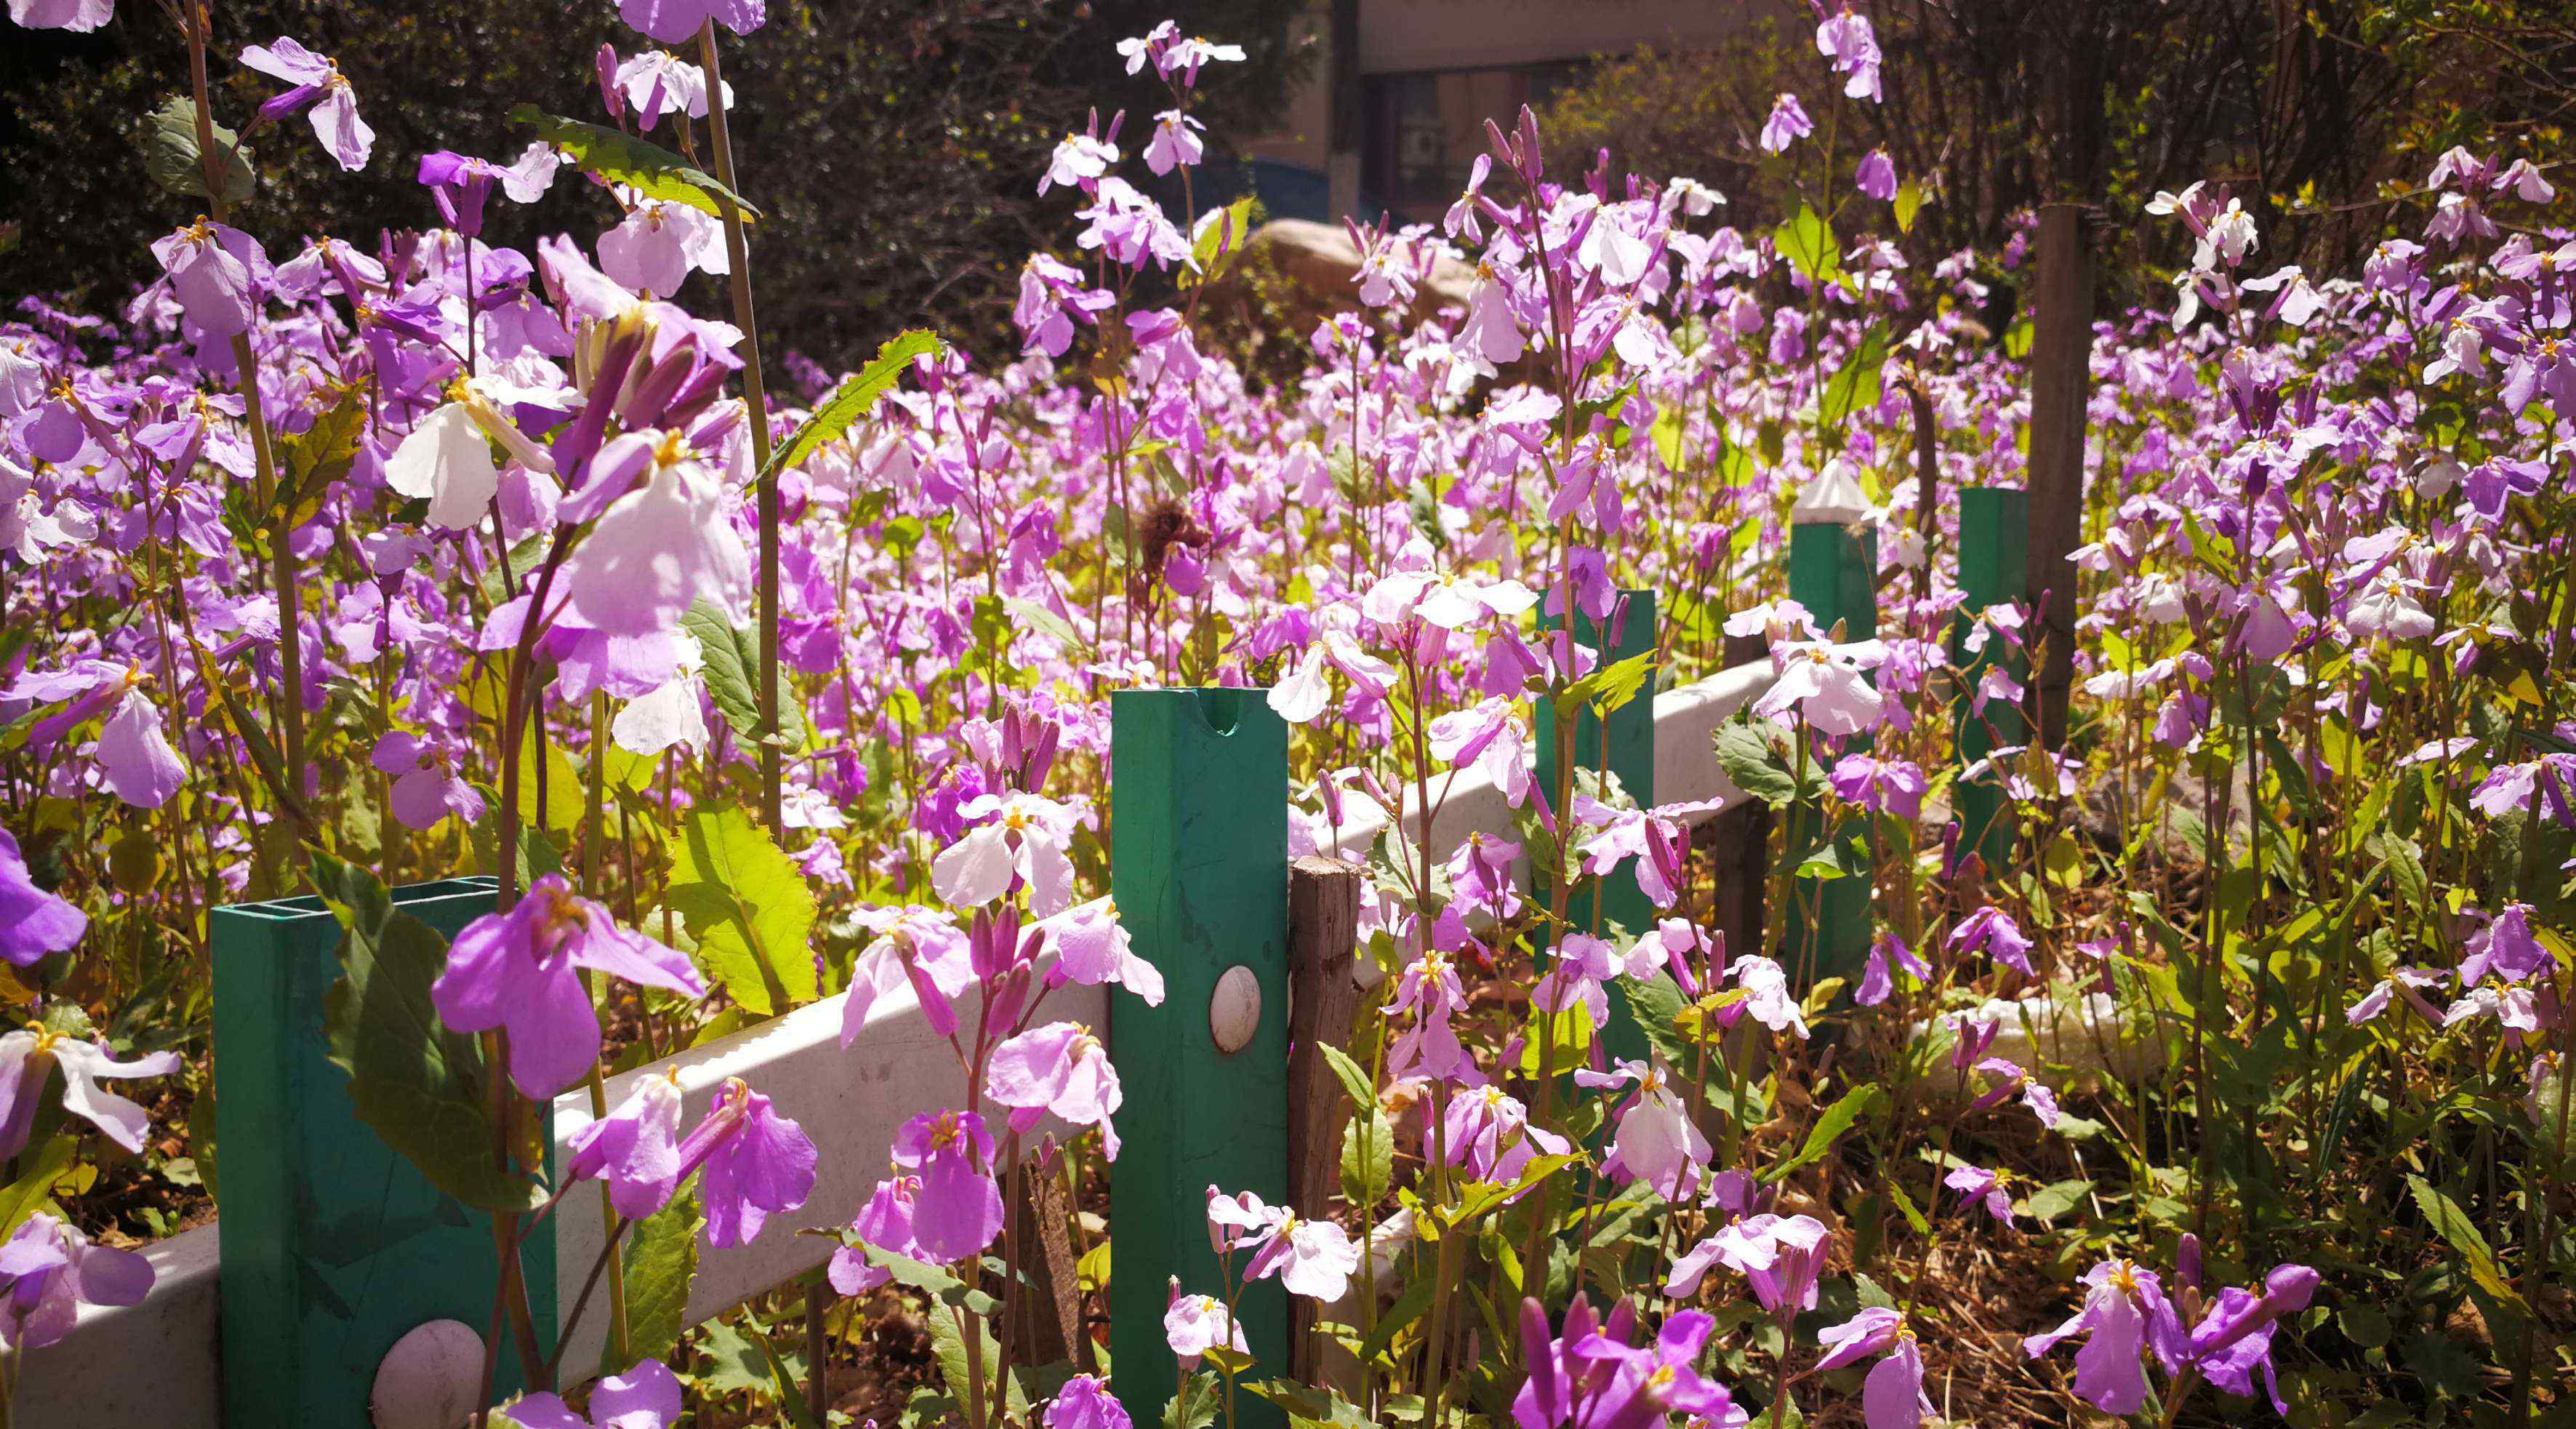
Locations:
(1431, 72)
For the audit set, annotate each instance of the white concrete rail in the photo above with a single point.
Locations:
(154, 1366)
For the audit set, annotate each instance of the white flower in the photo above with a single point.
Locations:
(1028, 840)
(664, 539)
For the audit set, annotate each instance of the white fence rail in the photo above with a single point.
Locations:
(154, 1365)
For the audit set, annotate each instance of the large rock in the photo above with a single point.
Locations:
(1321, 259)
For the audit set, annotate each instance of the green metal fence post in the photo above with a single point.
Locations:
(1994, 566)
(332, 1246)
(1630, 744)
(1832, 572)
(1198, 801)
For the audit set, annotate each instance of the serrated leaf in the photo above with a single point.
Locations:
(417, 1083)
(732, 658)
(1744, 751)
(649, 169)
(315, 459)
(747, 905)
(1829, 1128)
(853, 399)
(661, 1260)
(172, 158)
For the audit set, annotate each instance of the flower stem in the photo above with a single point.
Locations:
(755, 402)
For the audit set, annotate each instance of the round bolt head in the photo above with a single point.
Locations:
(1234, 1012)
(430, 1378)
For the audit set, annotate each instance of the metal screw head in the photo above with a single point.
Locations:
(430, 1378)
(1234, 1012)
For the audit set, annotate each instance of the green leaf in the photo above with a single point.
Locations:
(1808, 242)
(418, 1084)
(854, 399)
(316, 458)
(1909, 202)
(920, 1275)
(1564, 1039)
(732, 660)
(1668, 435)
(35, 1184)
(1608, 688)
(1045, 622)
(2055, 1199)
(172, 158)
(739, 1366)
(1408, 1308)
(1745, 752)
(1368, 1158)
(948, 1346)
(661, 1259)
(1829, 1129)
(649, 169)
(1222, 241)
(2454, 1226)
(747, 905)
(1855, 384)
(1355, 1078)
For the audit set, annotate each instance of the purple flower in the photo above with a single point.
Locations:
(886, 1223)
(517, 971)
(1085, 1403)
(319, 87)
(426, 787)
(1196, 1324)
(217, 274)
(28, 1054)
(1892, 1397)
(645, 1397)
(1876, 177)
(636, 1147)
(48, 1270)
(1656, 1141)
(1780, 1256)
(1559, 1377)
(134, 758)
(1311, 1258)
(2009, 1079)
(1877, 979)
(756, 1163)
(960, 1209)
(1488, 1131)
(672, 21)
(1975, 1183)
(33, 922)
(1652, 1382)
(73, 15)
(1893, 787)
(1788, 124)
(2233, 1341)
(2119, 1304)
(461, 183)
(1060, 1069)
(1990, 930)
(2505, 944)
